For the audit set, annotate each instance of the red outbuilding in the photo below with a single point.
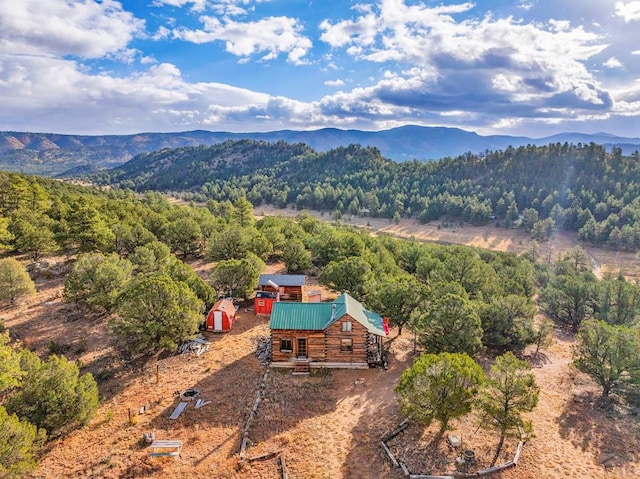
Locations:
(263, 302)
(221, 316)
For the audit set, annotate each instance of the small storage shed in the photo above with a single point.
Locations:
(263, 302)
(314, 296)
(221, 316)
(290, 286)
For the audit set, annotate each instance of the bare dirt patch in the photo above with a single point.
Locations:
(328, 424)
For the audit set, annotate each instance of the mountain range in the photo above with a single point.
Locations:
(69, 155)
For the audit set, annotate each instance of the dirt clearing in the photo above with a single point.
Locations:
(327, 425)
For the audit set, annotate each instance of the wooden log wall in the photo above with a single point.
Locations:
(333, 342)
(315, 344)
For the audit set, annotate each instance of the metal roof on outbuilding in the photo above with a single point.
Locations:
(225, 305)
(283, 279)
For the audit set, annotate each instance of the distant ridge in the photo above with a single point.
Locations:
(54, 154)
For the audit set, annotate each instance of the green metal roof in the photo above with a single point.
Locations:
(319, 316)
(308, 316)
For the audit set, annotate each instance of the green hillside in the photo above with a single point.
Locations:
(580, 188)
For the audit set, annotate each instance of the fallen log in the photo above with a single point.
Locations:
(283, 467)
(390, 454)
(516, 458)
(394, 433)
(498, 468)
(243, 447)
(267, 455)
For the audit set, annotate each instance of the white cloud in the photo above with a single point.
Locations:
(271, 36)
(55, 27)
(512, 66)
(227, 7)
(613, 62)
(361, 32)
(424, 64)
(161, 34)
(630, 11)
(44, 91)
(228, 10)
(627, 102)
(197, 5)
(526, 5)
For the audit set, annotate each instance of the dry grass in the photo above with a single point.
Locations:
(328, 424)
(488, 237)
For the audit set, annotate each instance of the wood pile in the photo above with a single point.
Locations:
(263, 349)
(195, 346)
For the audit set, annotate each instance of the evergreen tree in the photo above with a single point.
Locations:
(97, 280)
(618, 302)
(507, 322)
(10, 371)
(439, 387)
(397, 297)
(53, 395)
(510, 390)
(20, 442)
(296, 257)
(243, 212)
(234, 278)
(609, 354)
(350, 275)
(155, 313)
(450, 323)
(15, 283)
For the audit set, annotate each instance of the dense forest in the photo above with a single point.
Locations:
(127, 269)
(579, 188)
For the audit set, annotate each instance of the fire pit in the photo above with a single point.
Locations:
(468, 455)
(189, 394)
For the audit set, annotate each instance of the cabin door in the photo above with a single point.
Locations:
(302, 347)
(217, 320)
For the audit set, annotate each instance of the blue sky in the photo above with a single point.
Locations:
(521, 67)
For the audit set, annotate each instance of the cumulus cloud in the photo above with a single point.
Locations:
(220, 7)
(197, 5)
(269, 36)
(413, 61)
(613, 62)
(629, 11)
(479, 65)
(62, 94)
(84, 28)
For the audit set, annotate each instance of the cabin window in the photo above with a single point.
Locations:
(346, 345)
(346, 326)
(286, 345)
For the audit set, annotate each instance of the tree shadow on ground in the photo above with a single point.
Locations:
(287, 400)
(610, 432)
(366, 458)
(421, 448)
(539, 360)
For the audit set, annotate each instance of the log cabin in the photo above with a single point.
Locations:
(340, 334)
